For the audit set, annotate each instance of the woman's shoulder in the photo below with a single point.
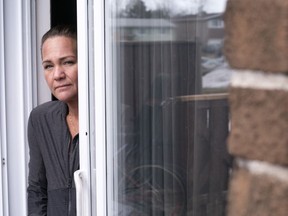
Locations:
(51, 107)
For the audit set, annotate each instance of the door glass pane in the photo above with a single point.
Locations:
(167, 111)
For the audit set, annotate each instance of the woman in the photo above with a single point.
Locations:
(53, 129)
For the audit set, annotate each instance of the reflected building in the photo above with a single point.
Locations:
(144, 29)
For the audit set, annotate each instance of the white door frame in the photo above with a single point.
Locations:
(92, 113)
(19, 58)
(17, 83)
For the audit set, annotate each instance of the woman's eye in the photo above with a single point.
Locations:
(69, 62)
(47, 67)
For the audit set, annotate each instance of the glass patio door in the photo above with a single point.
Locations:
(154, 108)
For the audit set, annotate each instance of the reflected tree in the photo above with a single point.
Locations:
(138, 9)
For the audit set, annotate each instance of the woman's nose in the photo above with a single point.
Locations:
(59, 72)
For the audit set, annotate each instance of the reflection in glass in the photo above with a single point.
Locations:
(169, 108)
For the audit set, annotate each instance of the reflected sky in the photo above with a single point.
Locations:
(214, 6)
(177, 7)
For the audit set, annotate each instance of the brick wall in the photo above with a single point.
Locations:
(256, 47)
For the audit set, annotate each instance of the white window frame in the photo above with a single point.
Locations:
(4, 209)
(19, 58)
(92, 113)
(216, 23)
(17, 99)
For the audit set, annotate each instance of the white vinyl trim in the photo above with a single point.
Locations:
(17, 84)
(100, 107)
(42, 25)
(84, 195)
(111, 112)
(4, 208)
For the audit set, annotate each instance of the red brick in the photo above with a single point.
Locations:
(256, 195)
(257, 35)
(259, 125)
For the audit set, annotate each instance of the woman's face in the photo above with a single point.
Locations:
(59, 60)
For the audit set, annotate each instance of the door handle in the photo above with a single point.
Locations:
(78, 179)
